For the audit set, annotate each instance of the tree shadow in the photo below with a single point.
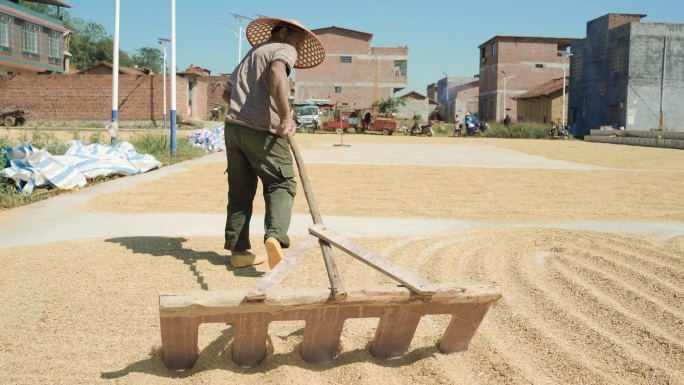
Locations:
(173, 246)
(217, 356)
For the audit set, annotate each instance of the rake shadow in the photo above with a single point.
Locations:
(216, 356)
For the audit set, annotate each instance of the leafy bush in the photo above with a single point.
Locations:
(517, 131)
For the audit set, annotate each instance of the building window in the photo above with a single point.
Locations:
(483, 55)
(573, 115)
(492, 77)
(345, 59)
(538, 66)
(604, 48)
(30, 37)
(493, 49)
(4, 30)
(602, 87)
(338, 90)
(54, 43)
(617, 58)
(577, 67)
(400, 66)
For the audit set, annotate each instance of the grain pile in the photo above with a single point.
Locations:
(577, 307)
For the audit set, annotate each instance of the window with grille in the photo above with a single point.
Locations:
(345, 59)
(4, 30)
(54, 44)
(492, 77)
(617, 59)
(338, 90)
(577, 67)
(604, 48)
(30, 37)
(602, 87)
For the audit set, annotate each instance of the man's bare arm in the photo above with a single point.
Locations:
(280, 90)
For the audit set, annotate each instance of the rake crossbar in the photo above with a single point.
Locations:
(391, 269)
(398, 309)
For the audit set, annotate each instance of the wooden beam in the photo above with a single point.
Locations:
(374, 260)
(278, 273)
(207, 303)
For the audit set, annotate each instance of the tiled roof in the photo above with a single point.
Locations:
(122, 70)
(545, 89)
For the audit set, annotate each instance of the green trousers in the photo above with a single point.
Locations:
(258, 154)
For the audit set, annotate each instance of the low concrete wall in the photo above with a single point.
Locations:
(678, 135)
(632, 141)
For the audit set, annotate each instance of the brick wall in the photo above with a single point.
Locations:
(357, 78)
(89, 98)
(531, 62)
(544, 109)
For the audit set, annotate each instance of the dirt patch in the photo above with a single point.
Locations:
(578, 307)
(430, 192)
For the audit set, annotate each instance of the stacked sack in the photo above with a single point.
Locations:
(211, 140)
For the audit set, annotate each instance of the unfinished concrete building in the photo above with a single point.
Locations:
(626, 73)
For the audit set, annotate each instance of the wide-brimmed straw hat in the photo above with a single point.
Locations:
(312, 52)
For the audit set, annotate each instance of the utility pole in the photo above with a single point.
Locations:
(163, 42)
(114, 125)
(173, 78)
(504, 81)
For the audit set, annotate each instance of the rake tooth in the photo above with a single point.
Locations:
(465, 320)
(179, 341)
(249, 343)
(395, 331)
(322, 333)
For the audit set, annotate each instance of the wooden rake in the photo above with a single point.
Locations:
(399, 308)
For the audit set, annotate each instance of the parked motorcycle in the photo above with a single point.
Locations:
(558, 133)
(417, 129)
(473, 130)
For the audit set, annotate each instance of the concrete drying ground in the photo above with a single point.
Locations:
(592, 283)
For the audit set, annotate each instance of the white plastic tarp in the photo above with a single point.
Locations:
(34, 168)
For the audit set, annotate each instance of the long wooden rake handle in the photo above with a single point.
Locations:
(336, 287)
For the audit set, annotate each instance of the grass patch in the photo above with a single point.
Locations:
(517, 131)
(159, 146)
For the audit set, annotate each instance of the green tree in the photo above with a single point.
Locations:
(149, 57)
(389, 105)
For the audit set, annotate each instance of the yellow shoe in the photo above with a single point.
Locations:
(274, 252)
(244, 260)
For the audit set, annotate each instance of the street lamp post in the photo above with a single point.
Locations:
(163, 42)
(239, 32)
(565, 55)
(504, 81)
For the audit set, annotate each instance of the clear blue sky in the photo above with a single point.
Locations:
(442, 35)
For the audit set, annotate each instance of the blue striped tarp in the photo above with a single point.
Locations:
(34, 168)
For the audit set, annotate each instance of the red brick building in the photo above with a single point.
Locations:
(522, 62)
(353, 72)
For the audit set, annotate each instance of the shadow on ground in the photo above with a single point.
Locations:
(173, 247)
(217, 356)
